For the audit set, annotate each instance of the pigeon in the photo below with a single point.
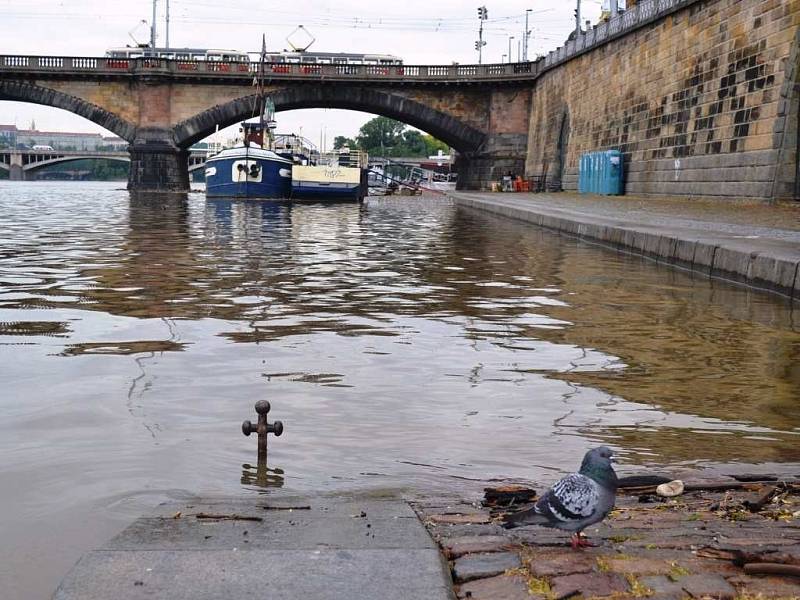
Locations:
(576, 501)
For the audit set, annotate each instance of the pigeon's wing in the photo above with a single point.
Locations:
(574, 498)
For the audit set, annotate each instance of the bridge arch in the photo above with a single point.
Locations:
(62, 159)
(25, 92)
(457, 134)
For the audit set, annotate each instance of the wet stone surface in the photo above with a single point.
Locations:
(691, 546)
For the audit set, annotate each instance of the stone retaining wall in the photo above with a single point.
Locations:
(701, 103)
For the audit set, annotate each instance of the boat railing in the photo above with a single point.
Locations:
(351, 158)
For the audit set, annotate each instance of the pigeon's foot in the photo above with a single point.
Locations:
(579, 541)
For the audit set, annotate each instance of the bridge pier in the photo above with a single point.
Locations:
(16, 172)
(157, 163)
(502, 153)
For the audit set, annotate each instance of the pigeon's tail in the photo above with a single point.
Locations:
(525, 517)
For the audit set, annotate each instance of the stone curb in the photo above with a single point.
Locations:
(742, 261)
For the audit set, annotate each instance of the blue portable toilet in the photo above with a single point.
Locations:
(601, 173)
(583, 174)
(612, 174)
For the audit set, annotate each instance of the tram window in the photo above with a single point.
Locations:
(199, 56)
(216, 57)
(308, 59)
(183, 56)
(340, 61)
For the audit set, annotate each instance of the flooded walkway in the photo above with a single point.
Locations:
(753, 243)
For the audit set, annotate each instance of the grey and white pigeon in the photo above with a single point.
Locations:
(576, 501)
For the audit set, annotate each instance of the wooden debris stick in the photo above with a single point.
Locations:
(227, 517)
(762, 499)
(772, 569)
(508, 495)
(743, 557)
(716, 486)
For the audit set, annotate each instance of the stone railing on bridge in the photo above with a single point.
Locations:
(642, 14)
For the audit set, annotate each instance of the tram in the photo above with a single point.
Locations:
(198, 54)
(285, 57)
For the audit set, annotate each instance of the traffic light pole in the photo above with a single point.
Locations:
(480, 44)
(483, 14)
(525, 37)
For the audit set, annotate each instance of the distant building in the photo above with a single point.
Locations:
(62, 140)
(8, 135)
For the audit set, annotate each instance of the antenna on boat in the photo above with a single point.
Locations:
(309, 39)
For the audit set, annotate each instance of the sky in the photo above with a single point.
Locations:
(418, 31)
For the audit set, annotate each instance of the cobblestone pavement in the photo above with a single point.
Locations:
(692, 546)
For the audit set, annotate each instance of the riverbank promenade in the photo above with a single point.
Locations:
(754, 243)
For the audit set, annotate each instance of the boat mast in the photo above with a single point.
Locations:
(261, 80)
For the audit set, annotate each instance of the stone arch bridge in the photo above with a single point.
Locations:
(162, 107)
(19, 163)
(702, 97)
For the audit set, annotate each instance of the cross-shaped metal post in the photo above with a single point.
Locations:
(262, 428)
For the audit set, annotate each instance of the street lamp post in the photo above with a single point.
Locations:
(510, 39)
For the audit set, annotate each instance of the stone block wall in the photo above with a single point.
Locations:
(701, 103)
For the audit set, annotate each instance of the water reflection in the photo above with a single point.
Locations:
(262, 476)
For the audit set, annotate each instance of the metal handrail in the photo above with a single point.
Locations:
(642, 14)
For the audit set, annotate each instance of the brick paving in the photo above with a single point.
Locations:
(692, 546)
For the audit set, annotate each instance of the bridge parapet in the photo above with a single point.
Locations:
(640, 15)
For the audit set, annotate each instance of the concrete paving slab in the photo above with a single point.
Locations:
(289, 547)
(263, 574)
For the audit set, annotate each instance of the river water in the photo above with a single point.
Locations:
(404, 343)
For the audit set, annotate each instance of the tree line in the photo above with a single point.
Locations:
(386, 137)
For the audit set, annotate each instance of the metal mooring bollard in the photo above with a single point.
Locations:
(262, 428)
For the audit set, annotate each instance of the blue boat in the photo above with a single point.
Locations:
(248, 171)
